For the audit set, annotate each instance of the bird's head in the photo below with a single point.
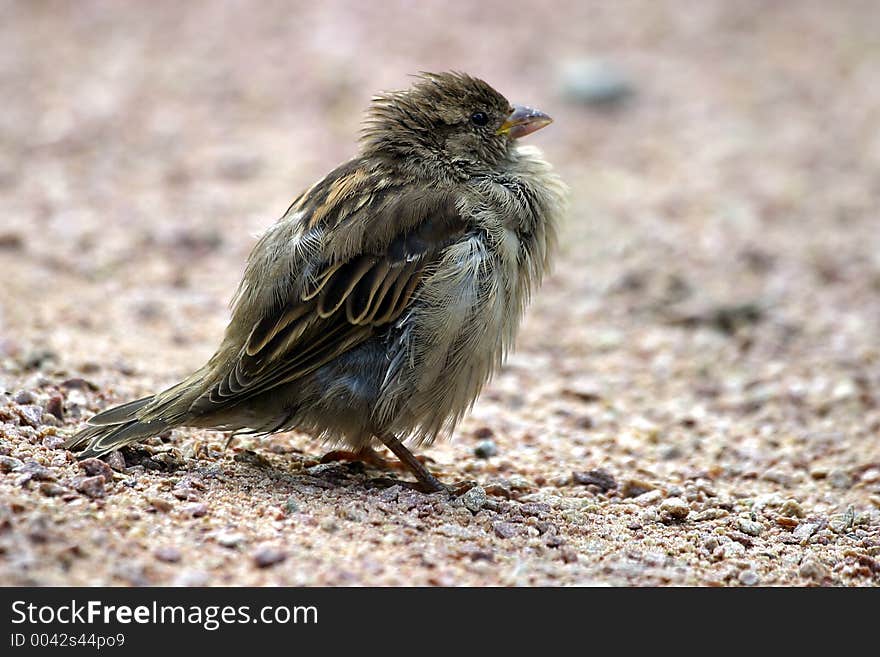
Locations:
(448, 118)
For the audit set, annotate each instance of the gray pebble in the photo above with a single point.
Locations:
(31, 415)
(36, 471)
(474, 499)
(197, 510)
(192, 578)
(749, 527)
(840, 479)
(10, 463)
(599, 478)
(168, 554)
(814, 569)
(649, 498)
(594, 82)
(24, 397)
(730, 550)
(267, 556)
(53, 442)
(669, 452)
(290, 506)
(804, 531)
(748, 578)
(486, 449)
(506, 529)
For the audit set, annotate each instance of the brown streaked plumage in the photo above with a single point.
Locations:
(378, 306)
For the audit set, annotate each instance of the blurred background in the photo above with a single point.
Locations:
(708, 144)
(715, 309)
(724, 160)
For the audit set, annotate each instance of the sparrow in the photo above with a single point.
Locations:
(377, 307)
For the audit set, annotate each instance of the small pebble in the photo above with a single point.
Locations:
(710, 514)
(636, 487)
(196, 510)
(739, 537)
(183, 493)
(168, 554)
(505, 529)
(192, 578)
(36, 471)
(594, 82)
(778, 477)
(95, 467)
(78, 383)
(55, 406)
(291, 506)
(10, 463)
(749, 527)
(91, 486)
(160, 504)
(599, 478)
(53, 442)
(116, 461)
(649, 498)
(535, 509)
(813, 569)
(669, 452)
(585, 390)
(748, 578)
(792, 509)
(31, 415)
(729, 550)
(474, 499)
(268, 556)
(568, 554)
(804, 531)
(674, 508)
(229, 540)
(483, 433)
(24, 397)
(486, 449)
(51, 489)
(839, 479)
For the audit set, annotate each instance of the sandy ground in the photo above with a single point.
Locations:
(695, 397)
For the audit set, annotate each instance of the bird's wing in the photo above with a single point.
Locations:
(377, 240)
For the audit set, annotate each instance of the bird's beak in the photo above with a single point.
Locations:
(523, 121)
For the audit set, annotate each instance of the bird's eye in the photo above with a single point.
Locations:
(479, 118)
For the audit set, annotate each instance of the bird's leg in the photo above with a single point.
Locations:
(430, 483)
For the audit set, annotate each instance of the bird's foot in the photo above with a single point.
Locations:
(369, 456)
(459, 488)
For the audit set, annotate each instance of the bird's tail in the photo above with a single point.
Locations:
(105, 438)
(134, 421)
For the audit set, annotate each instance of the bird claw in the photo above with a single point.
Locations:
(459, 488)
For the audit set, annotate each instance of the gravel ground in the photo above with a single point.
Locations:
(695, 397)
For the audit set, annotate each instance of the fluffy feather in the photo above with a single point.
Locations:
(386, 296)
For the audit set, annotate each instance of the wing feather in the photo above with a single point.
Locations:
(349, 292)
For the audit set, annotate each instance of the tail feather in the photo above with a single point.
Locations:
(136, 420)
(116, 427)
(103, 439)
(122, 413)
